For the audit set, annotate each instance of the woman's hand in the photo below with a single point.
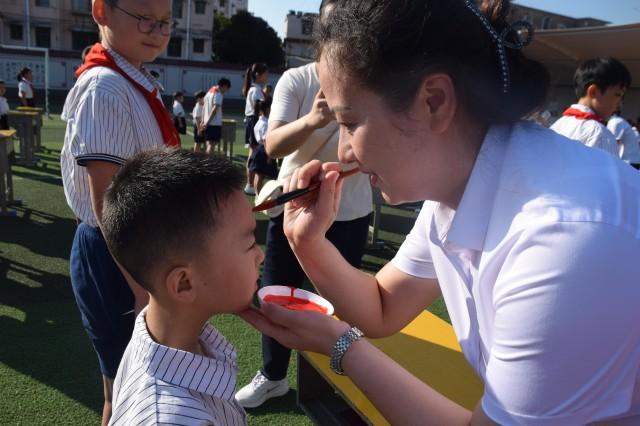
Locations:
(320, 114)
(301, 330)
(307, 219)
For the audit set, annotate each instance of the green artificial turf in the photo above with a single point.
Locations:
(48, 370)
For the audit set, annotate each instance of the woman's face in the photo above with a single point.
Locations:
(395, 149)
(262, 78)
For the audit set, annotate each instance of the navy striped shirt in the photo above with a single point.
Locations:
(107, 120)
(157, 384)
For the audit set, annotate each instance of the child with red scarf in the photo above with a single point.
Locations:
(113, 112)
(600, 84)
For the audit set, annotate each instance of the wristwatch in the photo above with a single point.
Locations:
(341, 347)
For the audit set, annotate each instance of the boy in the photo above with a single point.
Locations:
(260, 163)
(4, 107)
(179, 116)
(212, 121)
(196, 114)
(166, 215)
(600, 84)
(626, 138)
(112, 112)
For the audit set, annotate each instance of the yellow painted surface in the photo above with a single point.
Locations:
(7, 133)
(427, 348)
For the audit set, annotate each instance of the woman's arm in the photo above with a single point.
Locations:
(283, 138)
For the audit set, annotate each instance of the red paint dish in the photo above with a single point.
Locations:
(295, 299)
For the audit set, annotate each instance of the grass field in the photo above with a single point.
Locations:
(48, 371)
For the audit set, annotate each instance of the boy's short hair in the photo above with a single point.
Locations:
(200, 94)
(154, 74)
(224, 82)
(604, 72)
(177, 94)
(1, 81)
(263, 107)
(162, 205)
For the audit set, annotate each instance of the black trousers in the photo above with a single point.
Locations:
(282, 268)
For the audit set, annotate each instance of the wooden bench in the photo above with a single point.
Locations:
(6, 179)
(427, 348)
(37, 130)
(25, 124)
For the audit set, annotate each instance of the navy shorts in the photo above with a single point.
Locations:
(260, 163)
(213, 133)
(198, 137)
(103, 297)
(249, 135)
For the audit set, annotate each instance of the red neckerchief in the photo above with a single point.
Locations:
(214, 90)
(582, 115)
(98, 56)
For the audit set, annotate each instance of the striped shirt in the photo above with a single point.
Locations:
(107, 120)
(157, 384)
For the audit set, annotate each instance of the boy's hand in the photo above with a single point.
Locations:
(307, 219)
(320, 114)
(301, 330)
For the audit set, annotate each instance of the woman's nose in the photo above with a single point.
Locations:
(345, 153)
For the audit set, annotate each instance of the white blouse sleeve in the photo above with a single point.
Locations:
(414, 256)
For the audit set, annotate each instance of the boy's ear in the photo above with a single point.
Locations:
(179, 284)
(98, 12)
(593, 91)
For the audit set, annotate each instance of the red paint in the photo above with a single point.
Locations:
(295, 303)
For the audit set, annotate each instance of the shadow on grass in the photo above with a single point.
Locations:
(42, 336)
(281, 405)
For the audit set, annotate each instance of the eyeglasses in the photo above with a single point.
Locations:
(148, 25)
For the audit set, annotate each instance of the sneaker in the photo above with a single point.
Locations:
(249, 190)
(260, 389)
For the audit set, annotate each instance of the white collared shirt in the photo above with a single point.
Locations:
(589, 132)
(107, 120)
(629, 142)
(210, 100)
(156, 384)
(25, 89)
(178, 110)
(260, 129)
(4, 105)
(254, 94)
(539, 271)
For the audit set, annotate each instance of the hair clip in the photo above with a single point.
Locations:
(501, 41)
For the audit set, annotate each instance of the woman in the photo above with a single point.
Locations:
(532, 239)
(254, 78)
(25, 88)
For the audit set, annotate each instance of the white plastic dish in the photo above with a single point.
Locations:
(281, 290)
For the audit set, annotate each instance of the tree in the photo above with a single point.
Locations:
(245, 39)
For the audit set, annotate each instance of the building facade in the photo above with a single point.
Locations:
(67, 25)
(299, 29)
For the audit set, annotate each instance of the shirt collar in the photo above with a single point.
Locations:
(141, 75)
(467, 226)
(204, 374)
(583, 108)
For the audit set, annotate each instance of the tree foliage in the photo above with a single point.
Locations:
(245, 39)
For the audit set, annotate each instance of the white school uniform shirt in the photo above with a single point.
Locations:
(107, 120)
(260, 129)
(197, 112)
(156, 384)
(178, 110)
(293, 98)
(622, 131)
(254, 94)
(25, 88)
(589, 132)
(211, 100)
(539, 271)
(4, 105)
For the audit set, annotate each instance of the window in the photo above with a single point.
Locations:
(175, 47)
(15, 31)
(177, 9)
(82, 39)
(307, 26)
(42, 3)
(201, 6)
(43, 37)
(546, 23)
(82, 6)
(198, 45)
(223, 3)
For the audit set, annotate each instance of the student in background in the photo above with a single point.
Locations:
(626, 138)
(156, 80)
(4, 107)
(180, 223)
(268, 93)
(26, 92)
(179, 116)
(260, 163)
(198, 128)
(112, 112)
(212, 114)
(600, 84)
(255, 77)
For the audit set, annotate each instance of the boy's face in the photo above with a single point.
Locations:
(229, 267)
(201, 101)
(121, 31)
(224, 89)
(605, 103)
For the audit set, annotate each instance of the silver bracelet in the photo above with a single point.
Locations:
(341, 347)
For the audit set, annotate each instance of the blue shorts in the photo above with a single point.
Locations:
(213, 133)
(103, 297)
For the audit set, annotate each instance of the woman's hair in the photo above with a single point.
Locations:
(24, 71)
(250, 76)
(391, 45)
